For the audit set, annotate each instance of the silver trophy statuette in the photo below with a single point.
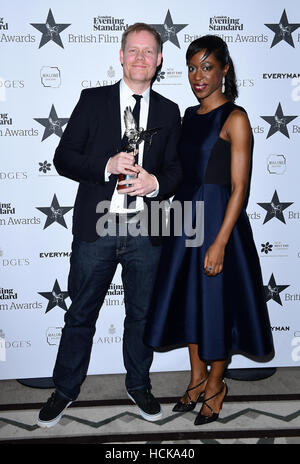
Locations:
(134, 136)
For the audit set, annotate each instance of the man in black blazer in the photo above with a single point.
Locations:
(90, 152)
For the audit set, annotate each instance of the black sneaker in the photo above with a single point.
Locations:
(52, 411)
(148, 405)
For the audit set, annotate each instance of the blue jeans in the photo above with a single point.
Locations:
(93, 265)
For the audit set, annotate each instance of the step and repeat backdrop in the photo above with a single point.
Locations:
(49, 52)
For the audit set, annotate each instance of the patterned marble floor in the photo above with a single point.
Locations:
(240, 422)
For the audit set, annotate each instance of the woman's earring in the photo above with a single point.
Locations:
(223, 84)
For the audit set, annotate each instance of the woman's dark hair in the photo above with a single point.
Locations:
(217, 46)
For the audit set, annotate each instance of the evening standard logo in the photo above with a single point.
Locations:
(225, 23)
(13, 38)
(5, 120)
(114, 296)
(8, 294)
(237, 38)
(230, 29)
(8, 301)
(7, 128)
(3, 25)
(109, 23)
(8, 211)
(109, 31)
(6, 208)
(115, 289)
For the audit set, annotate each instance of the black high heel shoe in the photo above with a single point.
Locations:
(201, 419)
(185, 407)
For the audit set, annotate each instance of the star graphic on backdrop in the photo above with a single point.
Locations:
(53, 124)
(283, 30)
(56, 297)
(55, 213)
(278, 122)
(275, 208)
(168, 30)
(50, 30)
(272, 290)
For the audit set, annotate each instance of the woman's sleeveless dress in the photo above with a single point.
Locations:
(225, 313)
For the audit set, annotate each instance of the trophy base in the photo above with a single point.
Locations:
(124, 177)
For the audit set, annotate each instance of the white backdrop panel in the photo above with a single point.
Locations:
(39, 78)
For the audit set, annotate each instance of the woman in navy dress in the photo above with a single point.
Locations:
(211, 296)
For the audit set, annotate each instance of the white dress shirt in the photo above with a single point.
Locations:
(126, 99)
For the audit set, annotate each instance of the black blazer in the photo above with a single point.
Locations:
(93, 134)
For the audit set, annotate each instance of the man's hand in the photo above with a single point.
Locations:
(140, 186)
(122, 163)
